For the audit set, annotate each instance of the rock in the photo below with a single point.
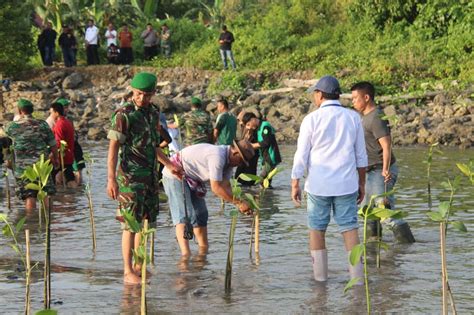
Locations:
(75, 96)
(211, 107)
(57, 76)
(95, 133)
(163, 103)
(72, 81)
(253, 99)
(269, 100)
(390, 111)
(441, 99)
(122, 80)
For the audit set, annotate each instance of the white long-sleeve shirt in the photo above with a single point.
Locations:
(92, 35)
(330, 148)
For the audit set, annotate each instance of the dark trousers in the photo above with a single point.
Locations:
(48, 55)
(92, 55)
(149, 52)
(68, 57)
(126, 55)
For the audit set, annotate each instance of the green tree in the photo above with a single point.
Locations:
(17, 45)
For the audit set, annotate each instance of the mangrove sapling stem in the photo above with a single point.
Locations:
(230, 254)
(366, 273)
(28, 272)
(152, 248)
(91, 217)
(257, 231)
(7, 190)
(251, 236)
(377, 258)
(451, 298)
(442, 232)
(144, 233)
(63, 177)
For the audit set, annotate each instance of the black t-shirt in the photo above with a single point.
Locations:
(228, 39)
(375, 128)
(49, 36)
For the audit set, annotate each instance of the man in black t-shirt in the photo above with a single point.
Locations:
(382, 171)
(225, 41)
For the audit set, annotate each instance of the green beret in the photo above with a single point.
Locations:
(22, 103)
(196, 101)
(144, 81)
(63, 101)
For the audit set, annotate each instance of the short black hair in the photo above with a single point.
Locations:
(149, 24)
(224, 102)
(247, 117)
(28, 110)
(224, 27)
(330, 96)
(58, 108)
(365, 87)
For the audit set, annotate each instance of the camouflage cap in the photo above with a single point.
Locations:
(144, 81)
(23, 103)
(63, 101)
(196, 101)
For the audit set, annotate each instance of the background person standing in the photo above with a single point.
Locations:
(92, 43)
(49, 44)
(225, 41)
(150, 41)
(126, 52)
(165, 41)
(226, 124)
(67, 42)
(111, 35)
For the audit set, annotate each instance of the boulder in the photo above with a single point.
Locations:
(95, 133)
(72, 81)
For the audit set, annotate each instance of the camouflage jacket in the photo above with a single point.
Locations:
(196, 126)
(31, 138)
(136, 129)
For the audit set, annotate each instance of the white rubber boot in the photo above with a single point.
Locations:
(320, 264)
(356, 271)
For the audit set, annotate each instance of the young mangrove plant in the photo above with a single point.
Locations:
(89, 162)
(237, 194)
(12, 232)
(38, 175)
(429, 161)
(467, 169)
(140, 256)
(370, 212)
(443, 217)
(264, 184)
(62, 150)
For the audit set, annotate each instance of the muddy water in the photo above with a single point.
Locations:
(408, 282)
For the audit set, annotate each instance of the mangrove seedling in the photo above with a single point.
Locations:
(429, 161)
(140, 256)
(370, 212)
(467, 169)
(89, 162)
(62, 150)
(264, 184)
(12, 232)
(38, 175)
(237, 194)
(442, 216)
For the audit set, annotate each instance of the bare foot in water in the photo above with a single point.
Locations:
(131, 279)
(137, 269)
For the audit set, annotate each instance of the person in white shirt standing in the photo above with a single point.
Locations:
(331, 148)
(92, 41)
(111, 35)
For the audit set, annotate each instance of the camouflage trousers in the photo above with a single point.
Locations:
(139, 198)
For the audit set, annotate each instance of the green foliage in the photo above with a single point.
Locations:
(17, 45)
(230, 81)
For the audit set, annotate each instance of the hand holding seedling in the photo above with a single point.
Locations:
(244, 207)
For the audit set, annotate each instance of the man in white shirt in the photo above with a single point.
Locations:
(331, 148)
(92, 40)
(111, 35)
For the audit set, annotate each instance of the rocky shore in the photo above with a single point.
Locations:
(436, 116)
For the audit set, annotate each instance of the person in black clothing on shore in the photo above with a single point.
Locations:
(47, 43)
(68, 43)
(225, 41)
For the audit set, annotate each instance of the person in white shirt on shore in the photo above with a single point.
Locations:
(92, 43)
(111, 35)
(331, 149)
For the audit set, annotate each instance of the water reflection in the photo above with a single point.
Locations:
(408, 281)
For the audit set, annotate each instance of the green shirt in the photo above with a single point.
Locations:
(226, 124)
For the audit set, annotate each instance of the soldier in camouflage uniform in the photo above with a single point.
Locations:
(134, 146)
(196, 125)
(31, 138)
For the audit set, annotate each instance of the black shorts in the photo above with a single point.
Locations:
(68, 173)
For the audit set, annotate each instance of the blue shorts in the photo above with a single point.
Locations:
(344, 211)
(196, 206)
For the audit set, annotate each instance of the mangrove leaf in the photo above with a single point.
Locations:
(459, 225)
(356, 253)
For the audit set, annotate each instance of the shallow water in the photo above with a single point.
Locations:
(408, 282)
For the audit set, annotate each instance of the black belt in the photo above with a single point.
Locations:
(371, 168)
